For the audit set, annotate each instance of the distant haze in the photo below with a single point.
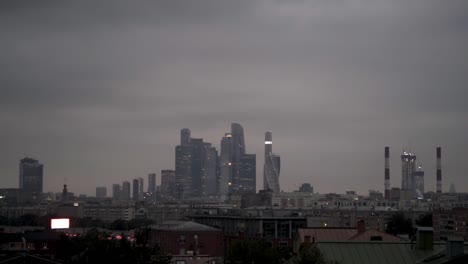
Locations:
(98, 91)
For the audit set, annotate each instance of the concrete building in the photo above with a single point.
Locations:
(168, 183)
(197, 158)
(109, 213)
(183, 171)
(225, 163)
(125, 190)
(31, 178)
(116, 191)
(248, 173)
(450, 223)
(210, 171)
(101, 192)
(187, 241)
(152, 183)
(136, 189)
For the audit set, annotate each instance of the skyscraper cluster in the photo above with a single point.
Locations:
(412, 175)
(201, 172)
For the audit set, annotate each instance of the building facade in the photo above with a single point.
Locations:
(152, 183)
(168, 183)
(31, 178)
(101, 192)
(272, 166)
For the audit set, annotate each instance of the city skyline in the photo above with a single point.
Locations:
(100, 97)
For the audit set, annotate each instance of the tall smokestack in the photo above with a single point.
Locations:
(439, 170)
(387, 173)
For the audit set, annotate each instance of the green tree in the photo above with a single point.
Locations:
(256, 251)
(424, 220)
(398, 224)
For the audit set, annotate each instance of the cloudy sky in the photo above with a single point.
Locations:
(98, 91)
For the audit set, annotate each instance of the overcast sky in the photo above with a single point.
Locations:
(98, 91)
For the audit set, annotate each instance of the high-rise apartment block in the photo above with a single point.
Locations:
(116, 191)
(248, 173)
(152, 183)
(210, 171)
(168, 183)
(31, 178)
(225, 163)
(136, 189)
(101, 192)
(197, 166)
(125, 190)
(183, 170)
(141, 185)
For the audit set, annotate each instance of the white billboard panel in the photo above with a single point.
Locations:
(60, 223)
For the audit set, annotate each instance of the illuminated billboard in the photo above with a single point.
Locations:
(59, 223)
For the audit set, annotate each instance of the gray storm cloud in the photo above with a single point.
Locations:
(99, 91)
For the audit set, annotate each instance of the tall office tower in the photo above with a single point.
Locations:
(31, 178)
(408, 167)
(238, 150)
(168, 183)
(140, 187)
(126, 190)
(272, 166)
(225, 164)
(197, 166)
(101, 192)
(248, 173)
(268, 143)
(183, 171)
(210, 177)
(418, 177)
(136, 189)
(152, 183)
(185, 136)
(387, 173)
(116, 192)
(439, 169)
(65, 193)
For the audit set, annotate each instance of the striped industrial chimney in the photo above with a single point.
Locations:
(387, 173)
(439, 170)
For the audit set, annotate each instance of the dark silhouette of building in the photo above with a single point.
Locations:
(238, 150)
(408, 167)
(306, 187)
(197, 157)
(183, 170)
(210, 171)
(101, 192)
(116, 191)
(185, 137)
(136, 189)
(31, 178)
(152, 183)
(168, 183)
(126, 190)
(248, 173)
(187, 241)
(225, 163)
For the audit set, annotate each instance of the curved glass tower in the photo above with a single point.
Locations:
(271, 169)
